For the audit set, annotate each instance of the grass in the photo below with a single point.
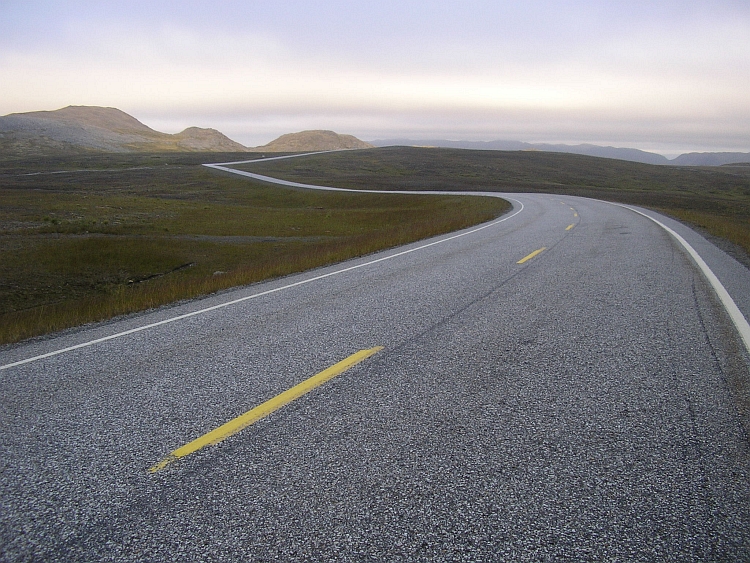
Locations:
(714, 198)
(732, 228)
(88, 237)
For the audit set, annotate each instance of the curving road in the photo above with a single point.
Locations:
(575, 403)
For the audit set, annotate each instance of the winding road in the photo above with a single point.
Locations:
(561, 383)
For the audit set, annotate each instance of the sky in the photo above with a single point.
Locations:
(667, 76)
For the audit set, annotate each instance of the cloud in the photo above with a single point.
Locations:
(637, 69)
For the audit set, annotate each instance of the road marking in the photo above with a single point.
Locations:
(266, 159)
(570, 227)
(270, 291)
(575, 214)
(530, 256)
(731, 307)
(261, 411)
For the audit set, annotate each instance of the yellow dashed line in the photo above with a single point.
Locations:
(530, 256)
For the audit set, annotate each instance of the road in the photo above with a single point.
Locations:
(579, 403)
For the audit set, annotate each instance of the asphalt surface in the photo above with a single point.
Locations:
(582, 405)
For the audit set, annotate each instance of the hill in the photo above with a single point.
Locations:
(316, 140)
(712, 158)
(633, 155)
(617, 153)
(98, 129)
(716, 199)
(206, 140)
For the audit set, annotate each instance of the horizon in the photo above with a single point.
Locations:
(668, 155)
(668, 78)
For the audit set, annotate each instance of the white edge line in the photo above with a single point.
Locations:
(731, 307)
(302, 282)
(264, 159)
(291, 184)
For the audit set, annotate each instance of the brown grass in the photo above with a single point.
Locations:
(83, 247)
(733, 229)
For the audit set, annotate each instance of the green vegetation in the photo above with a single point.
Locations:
(716, 199)
(121, 233)
(85, 237)
(734, 228)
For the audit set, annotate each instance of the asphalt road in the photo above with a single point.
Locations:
(580, 405)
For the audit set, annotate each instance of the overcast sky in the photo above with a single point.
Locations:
(669, 76)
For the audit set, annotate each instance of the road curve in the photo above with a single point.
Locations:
(559, 384)
(728, 267)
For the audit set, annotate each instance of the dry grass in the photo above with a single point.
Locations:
(139, 231)
(714, 198)
(733, 229)
(81, 247)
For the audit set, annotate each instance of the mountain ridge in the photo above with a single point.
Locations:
(617, 153)
(106, 129)
(100, 129)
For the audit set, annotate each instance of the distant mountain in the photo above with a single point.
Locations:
(711, 158)
(92, 128)
(443, 143)
(313, 141)
(102, 129)
(633, 155)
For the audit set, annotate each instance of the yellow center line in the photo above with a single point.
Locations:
(575, 214)
(530, 256)
(570, 227)
(250, 417)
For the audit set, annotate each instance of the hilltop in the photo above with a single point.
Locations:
(100, 129)
(316, 140)
(94, 129)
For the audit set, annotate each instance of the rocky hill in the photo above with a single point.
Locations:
(206, 140)
(317, 140)
(91, 128)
